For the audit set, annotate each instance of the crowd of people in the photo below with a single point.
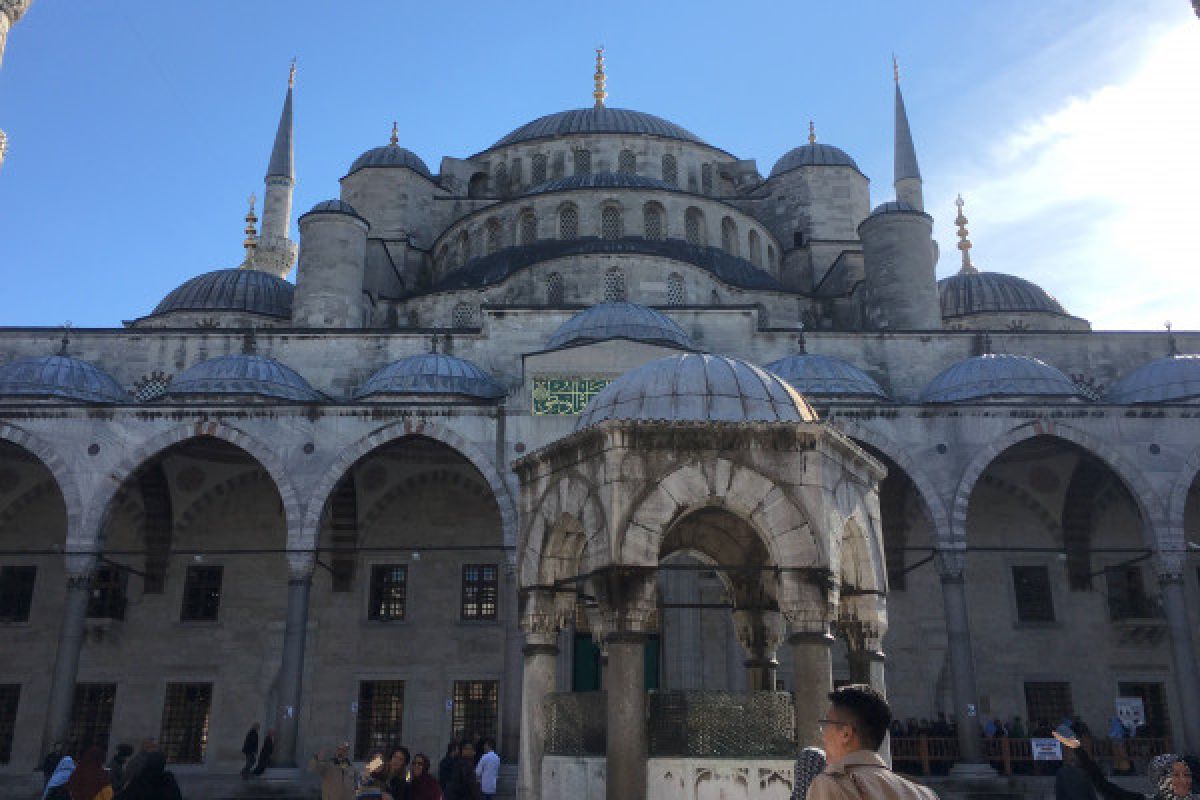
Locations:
(468, 771)
(127, 776)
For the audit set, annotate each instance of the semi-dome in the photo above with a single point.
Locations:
(61, 377)
(620, 321)
(1165, 380)
(696, 387)
(999, 376)
(982, 292)
(815, 375)
(433, 373)
(391, 155)
(246, 290)
(597, 120)
(815, 154)
(602, 180)
(241, 375)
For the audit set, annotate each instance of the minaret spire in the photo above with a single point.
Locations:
(964, 244)
(282, 163)
(251, 240)
(812, 132)
(600, 93)
(908, 174)
(275, 252)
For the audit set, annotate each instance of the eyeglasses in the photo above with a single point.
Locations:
(825, 723)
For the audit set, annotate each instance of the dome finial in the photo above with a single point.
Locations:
(812, 132)
(601, 81)
(251, 232)
(66, 339)
(395, 134)
(964, 244)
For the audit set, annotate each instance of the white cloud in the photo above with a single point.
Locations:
(1094, 200)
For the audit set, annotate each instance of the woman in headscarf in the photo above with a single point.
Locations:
(90, 780)
(153, 781)
(1170, 774)
(56, 787)
(809, 765)
(423, 785)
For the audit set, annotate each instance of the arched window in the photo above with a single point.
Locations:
(614, 286)
(527, 228)
(464, 247)
(706, 178)
(440, 261)
(770, 257)
(555, 292)
(693, 224)
(478, 185)
(729, 242)
(675, 296)
(610, 223)
(538, 170)
(463, 316)
(568, 222)
(514, 174)
(670, 170)
(652, 221)
(755, 248)
(583, 162)
(492, 235)
(627, 163)
(500, 179)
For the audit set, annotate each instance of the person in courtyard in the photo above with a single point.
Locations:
(56, 786)
(266, 754)
(149, 745)
(153, 781)
(487, 770)
(1071, 782)
(51, 761)
(90, 780)
(1170, 774)
(423, 785)
(463, 784)
(397, 773)
(809, 765)
(116, 765)
(372, 784)
(852, 731)
(249, 750)
(336, 773)
(446, 765)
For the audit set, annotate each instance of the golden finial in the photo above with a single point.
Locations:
(964, 244)
(895, 68)
(395, 134)
(292, 75)
(251, 231)
(812, 132)
(600, 94)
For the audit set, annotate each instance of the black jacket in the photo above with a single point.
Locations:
(250, 745)
(463, 785)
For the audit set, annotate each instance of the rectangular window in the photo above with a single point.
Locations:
(107, 597)
(389, 591)
(91, 716)
(476, 705)
(1127, 597)
(202, 594)
(10, 693)
(1035, 601)
(479, 591)
(1048, 702)
(16, 593)
(1154, 701)
(184, 736)
(380, 716)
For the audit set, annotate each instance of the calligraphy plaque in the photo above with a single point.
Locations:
(564, 396)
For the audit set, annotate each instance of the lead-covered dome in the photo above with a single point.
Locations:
(597, 120)
(620, 321)
(391, 155)
(1165, 380)
(815, 154)
(250, 291)
(60, 377)
(999, 376)
(993, 292)
(433, 373)
(698, 388)
(815, 375)
(243, 375)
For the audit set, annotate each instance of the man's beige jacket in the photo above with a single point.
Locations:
(862, 775)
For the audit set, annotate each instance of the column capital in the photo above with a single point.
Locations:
(951, 564)
(301, 564)
(810, 638)
(1169, 565)
(539, 649)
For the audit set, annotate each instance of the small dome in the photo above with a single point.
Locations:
(815, 375)
(1165, 380)
(247, 290)
(391, 155)
(981, 292)
(620, 321)
(62, 377)
(243, 375)
(895, 207)
(602, 180)
(695, 387)
(334, 207)
(998, 376)
(433, 373)
(597, 120)
(816, 154)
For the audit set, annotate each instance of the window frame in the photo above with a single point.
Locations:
(375, 598)
(377, 739)
(18, 582)
(1021, 607)
(190, 601)
(107, 593)
(472, 608)
(458, 721)
(186, 722)
(84, 731)
(10, 706)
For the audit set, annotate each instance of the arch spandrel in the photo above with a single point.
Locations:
(64, 479)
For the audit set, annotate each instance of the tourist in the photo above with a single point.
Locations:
(463, 785)
(149, 745)
(116, 765)
(446, 765)
(372, 784)
(51, 761)
(152, 782)
(423, 786)
(266, 754)
(90, 780)
(488, 769)
(1071, 782)
(397, 773)
(249, 750)
(808, 766)
(1170, 775)
(336, 774)
(1016, 728)
(853, 730)
(56, 785)
(940, 728)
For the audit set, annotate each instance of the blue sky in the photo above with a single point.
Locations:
(138, 127)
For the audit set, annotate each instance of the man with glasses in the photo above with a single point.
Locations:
(852, 731)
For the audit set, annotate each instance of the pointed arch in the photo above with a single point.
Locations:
(64, 478)
(565, 534)
(1189, 473)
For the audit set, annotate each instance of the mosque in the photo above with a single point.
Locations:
(600, 428)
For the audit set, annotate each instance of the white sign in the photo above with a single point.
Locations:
(970, 709)
(1046, 749)
(1131, 711)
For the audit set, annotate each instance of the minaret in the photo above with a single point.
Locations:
(964, 244)
(908, 174)
(10, 12)
(275, 252)
(600, 93)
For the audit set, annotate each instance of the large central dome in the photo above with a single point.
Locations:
(597, 120)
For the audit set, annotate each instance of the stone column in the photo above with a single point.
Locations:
(627, 745)
(1183, 653)
(66, 659)
(291, 672)
(813, 666)
(509, 742)
(540, 672)
(951, 566)
(759, 633)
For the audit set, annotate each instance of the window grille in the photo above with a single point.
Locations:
(463, 316)
(528, 228)
(583, 162)
(694, 226)
(670, 170)
(568, 223)
(151, 387)
(555, 292)
(184, 736)
(380, 716)
(10, 696)
(500, 176)
(706, 179)
(729, 236)
(493, 235)
(610, 223)
(16, 593)
(652, 221)
(464, 247)
(1127, 597)
(627, 163)
(755, 248)
(389, 592)
(202, 594)
(514, 174)
(476, 707)
(1048, 702)
(1035, 601)
(537, 170)
(614, 286)
(480, 587)
(91, 716)
(106, 597)
(675, 289)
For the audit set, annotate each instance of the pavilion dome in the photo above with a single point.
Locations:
(60, 377)
(814, 154)
(969, 293)
(620, 321)
(815, 375)
(1165, 380)
(696, 387)
(250, 291)
(393, 156)
(999, 376)
(242, 375)
(433, 373)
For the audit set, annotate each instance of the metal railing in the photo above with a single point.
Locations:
(925, 755)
